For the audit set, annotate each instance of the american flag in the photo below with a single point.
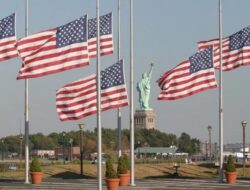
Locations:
(235, 50)
(78, 99)
(106, 36)
(8, 38)
(54, 50)
(189, 77)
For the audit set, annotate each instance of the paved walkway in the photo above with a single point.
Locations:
(145, 184)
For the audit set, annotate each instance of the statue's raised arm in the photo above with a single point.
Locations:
(151, 70)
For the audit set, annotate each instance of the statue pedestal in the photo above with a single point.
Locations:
(144, 119)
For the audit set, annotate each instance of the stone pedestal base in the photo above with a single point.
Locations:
(144, 119)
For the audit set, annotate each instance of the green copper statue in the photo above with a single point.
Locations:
(143, 87)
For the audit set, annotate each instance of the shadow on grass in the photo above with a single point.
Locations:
(180, 175)
(207, 165)
(171, 175)
(243, 178)
(209, 172)
(11, 180)
(71, 175)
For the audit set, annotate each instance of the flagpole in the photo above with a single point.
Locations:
(98, 81)
(119, 114)
(132, 180)
(220, 97)
(26, 112)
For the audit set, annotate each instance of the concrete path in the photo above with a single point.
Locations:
(145, 184)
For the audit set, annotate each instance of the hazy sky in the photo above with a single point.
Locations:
(166, 32)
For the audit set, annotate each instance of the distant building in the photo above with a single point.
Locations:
(236, 147)
(67, 152)
(232, 147)
(44, 153)
(239, 157)
(205, 150)
(237, 151)
(157, 151)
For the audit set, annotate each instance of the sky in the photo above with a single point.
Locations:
(166, 32)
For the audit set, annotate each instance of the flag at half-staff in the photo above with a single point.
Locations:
(189, 77)
(54, 50)
(106, 36)
(8, 38)
(235, 50)
(78, 99)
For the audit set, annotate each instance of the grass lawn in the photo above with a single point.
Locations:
(72, 171)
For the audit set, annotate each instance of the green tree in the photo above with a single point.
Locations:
(196, 145)
(151, 137)
(184, 143)
(187, 144)
(11, 143)
(40, 141)
(154, 138)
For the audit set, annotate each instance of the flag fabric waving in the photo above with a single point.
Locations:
(78, 99)
(106, 36)
(235, 50)
(189, 77)
(8, 38)
(54, 50)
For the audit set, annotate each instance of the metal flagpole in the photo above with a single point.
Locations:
(221, 98)
(98, 81)
(26, 112)
(119, 114)
(132, 180)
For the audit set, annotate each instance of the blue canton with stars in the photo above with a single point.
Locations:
(112, 76)
(105, 26)
(201, 61)
(71, 33)
(239, 39)
(7, 27)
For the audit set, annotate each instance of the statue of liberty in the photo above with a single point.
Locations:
(143, 87)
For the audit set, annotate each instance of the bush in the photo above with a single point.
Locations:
(35, 165)
(123, 164)
(110, 171)
(230, 167)
(76, 161)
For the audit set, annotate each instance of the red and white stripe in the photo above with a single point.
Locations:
(230, 59)
(106, 46)
(179, 82)
(8, 48)
(78, 99)
(41, 56)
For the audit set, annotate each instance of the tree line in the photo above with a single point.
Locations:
(143, 138)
